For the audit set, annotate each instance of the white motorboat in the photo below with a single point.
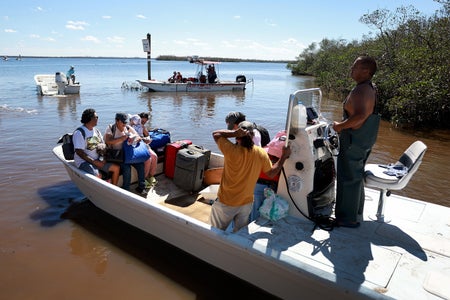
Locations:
(400, 251)
(55, 84)
(205, 80)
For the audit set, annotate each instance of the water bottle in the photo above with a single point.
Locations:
(299, 116)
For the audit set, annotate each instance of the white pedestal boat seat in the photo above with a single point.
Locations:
(394, 176)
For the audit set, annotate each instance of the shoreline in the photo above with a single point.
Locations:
(160, 57)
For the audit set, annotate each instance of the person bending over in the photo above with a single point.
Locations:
(243, 163)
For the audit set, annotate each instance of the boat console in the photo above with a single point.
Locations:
(307, 180)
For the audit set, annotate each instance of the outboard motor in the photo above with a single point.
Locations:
(308, 178)
(61, 81)
(241, 78)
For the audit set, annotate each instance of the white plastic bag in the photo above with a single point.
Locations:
(274, 207)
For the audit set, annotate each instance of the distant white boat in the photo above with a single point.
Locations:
(205, 79)
(50, 85)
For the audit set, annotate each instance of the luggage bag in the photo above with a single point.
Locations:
(200, 149)
(189, 170)
(171, 156)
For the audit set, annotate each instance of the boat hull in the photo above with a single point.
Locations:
(164, 86)
(47, 86)
(288, 258)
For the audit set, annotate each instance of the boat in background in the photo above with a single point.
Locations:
(405, 257)
(52, 85)
(205, 79)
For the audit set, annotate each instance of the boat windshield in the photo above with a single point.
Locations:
(311, 100)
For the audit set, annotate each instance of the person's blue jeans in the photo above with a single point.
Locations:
(89, 168)
(126, 173)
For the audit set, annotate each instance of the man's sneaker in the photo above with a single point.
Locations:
(150, 182)
(142, 191)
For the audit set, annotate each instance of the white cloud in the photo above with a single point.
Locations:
(39, 8)
(76, 25)
(141, 17)
(34, 36)
(106, 17)
(116, 39)
(49, 39)
(10, 30)
(90, 38)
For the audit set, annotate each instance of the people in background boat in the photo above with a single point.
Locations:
(212, 75)
(172, 78)
(138, 124)
(179, 77)
(243, 162)
(358, 132)
(70, 75)
(86, 147)
(115, 135)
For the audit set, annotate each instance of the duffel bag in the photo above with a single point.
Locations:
(135, 154)
(160, 138)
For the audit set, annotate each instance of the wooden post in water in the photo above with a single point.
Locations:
(149, 63)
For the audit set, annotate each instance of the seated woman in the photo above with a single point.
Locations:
(115, 135)
(179, 77)
(138, 124)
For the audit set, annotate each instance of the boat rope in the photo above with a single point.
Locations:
(323, 222)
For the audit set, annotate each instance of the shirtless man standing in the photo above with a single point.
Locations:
(357, 133)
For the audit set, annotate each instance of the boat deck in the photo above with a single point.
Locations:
(169, 195)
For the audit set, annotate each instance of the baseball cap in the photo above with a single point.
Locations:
(135, 120)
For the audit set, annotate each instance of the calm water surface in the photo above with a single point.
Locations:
(55, 245)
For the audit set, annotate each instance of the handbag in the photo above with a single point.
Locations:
(135, 154)
(114, 155)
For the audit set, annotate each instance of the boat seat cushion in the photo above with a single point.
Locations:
(375, 173)
(396, 176)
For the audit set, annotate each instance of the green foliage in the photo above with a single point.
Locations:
(413, 72)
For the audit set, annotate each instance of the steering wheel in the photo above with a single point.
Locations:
(331, 140)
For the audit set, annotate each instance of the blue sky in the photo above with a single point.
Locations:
(262, 29)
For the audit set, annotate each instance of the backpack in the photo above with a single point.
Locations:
(67, 143)
(265, 136)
